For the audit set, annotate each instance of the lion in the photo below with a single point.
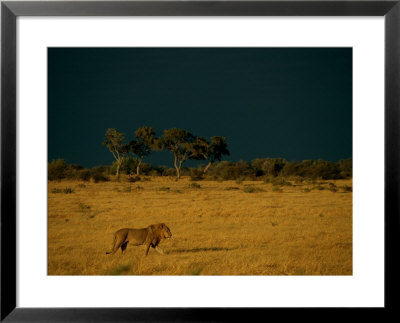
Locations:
(150, 236)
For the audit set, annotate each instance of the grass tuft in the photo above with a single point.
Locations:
(83, 206)
(232, 188)
(66, 190)
(252, 189)
(194, 185)
(196, 270)
(120, 270)
(332, 187)
(276, 188)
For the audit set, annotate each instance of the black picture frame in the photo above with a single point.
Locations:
(10, 10)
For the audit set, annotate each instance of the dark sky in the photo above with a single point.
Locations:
(294, 103)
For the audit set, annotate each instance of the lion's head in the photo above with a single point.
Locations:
(162, 231)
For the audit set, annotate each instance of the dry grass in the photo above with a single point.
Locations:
(219, 228)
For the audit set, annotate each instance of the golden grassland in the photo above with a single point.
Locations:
(219, 228)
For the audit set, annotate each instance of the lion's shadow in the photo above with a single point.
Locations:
(200, 250)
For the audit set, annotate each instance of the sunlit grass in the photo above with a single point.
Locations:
(218, 228)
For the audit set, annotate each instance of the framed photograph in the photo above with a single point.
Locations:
(197, 161)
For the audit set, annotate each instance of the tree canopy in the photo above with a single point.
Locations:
(179, 143)
(202, 149)
(141, 146)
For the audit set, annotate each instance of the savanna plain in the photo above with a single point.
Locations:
(218, 227)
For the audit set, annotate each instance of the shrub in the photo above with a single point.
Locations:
(249, 189)
(229, 170)
(314, 169)
(280, 181)
(98, 177)
(128, 166)
(346, 167)
(292, 169)
(276, 188)
(98, 174)
(185, 171)
(164, 189)
(155, 172)
(133, 179)
(332, 187)
(72, 170)
(347, 188)
(56, 169)
(83, 175)
(194, 185)
(169, 172)
(298, 179)
(311, 181)
(268, 166)
(196, 174)
(101, 169)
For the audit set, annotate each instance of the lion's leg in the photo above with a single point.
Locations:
(123, 246)
(147, 249)
(117, 244)
(113, 250)
(158, 249)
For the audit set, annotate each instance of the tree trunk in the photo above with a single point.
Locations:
(138, 167)
(207, 167)
(118, 158)
(118, 167)
(178, 168)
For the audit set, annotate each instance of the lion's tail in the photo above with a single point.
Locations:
(113, 247)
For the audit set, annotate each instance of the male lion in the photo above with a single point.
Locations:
(149, 236)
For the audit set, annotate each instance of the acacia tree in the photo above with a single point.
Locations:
(141, 147)
(114, 142)
(179, 143)
(212, 151)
